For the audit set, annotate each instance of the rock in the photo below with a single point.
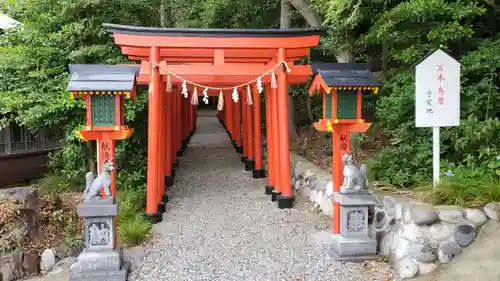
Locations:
(407, 215)
(406, 268)
(425, 268)
(31, 263)
(451, 215)
(415, 233)
(297, 185)
(476, 216)
(389, 205)
(423, 215)
(380, 219)
(62, 265)
(16, 265)
(464, 234)
(440, 232)
(422, 252)
(321, 184)
(492, 209)
(402, 248)
(447, 251)
(329, 189)
(48, 260)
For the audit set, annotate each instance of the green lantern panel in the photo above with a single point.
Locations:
(103, 110)
(328, 107)
(347, 105)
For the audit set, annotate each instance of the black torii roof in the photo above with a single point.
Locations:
(101, 77)
(345, 74)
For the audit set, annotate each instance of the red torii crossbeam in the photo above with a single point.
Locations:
(217, 58)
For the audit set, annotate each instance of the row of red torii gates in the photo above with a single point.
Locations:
(237, 66)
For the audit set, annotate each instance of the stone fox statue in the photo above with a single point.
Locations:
(103, 181)
(355, 180)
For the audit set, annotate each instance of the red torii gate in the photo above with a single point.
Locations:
(217, 59)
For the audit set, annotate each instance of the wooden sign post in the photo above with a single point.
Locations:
(437, 100)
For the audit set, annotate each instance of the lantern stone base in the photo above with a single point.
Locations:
(164, 198)
(259, 174)
(99, 261)
(340, 248)
(169, 181)
(269, 189)
(353, 242)
(274, 196)
(154, 218)
(249, 165)
(286, 202)
(162, 207)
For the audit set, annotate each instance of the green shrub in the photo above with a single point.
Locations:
(465, 186)
(133, 231)
(55, 184)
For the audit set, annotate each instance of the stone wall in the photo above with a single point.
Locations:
(416, 237)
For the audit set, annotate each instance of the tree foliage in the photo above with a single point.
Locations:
(390, 35)
(401, 33)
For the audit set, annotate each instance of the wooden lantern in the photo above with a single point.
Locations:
(104, 89)
(342, 87)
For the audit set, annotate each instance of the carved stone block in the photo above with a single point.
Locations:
(99, 261)
(99, 233)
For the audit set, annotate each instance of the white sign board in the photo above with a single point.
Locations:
(437, 90)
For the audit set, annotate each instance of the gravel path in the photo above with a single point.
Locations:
(219, 225)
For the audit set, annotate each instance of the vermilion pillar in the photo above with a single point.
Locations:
(237, 124)
(179, 121)
(269, 142)
(169, 180)
(286, 199)
(244, 139)
(276, 144)
(175, 120)
(161, 148)
(258, 171)
(250, 163)
(153, 128)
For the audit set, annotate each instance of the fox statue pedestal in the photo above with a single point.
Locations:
(100, 261)
(354, 198)
(353, 242)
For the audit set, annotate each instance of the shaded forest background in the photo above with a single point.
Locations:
(390, 35)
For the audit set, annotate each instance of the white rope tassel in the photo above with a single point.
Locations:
(259, 85)
(205, 96)
(249, 95)
(274, 83)
(235, 95)
(152, 80)
(287, 68)
(185, 90)
(220, 104)
(194, 97)
(169, 83)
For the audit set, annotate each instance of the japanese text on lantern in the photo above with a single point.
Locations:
(106, 151)
(440, 78)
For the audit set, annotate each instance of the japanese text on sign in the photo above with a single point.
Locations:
(437, 91)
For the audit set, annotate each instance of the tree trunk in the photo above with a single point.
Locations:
(285, 23)
(313, 19)
(165, 14)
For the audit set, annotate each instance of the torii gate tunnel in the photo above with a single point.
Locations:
(236, 65)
